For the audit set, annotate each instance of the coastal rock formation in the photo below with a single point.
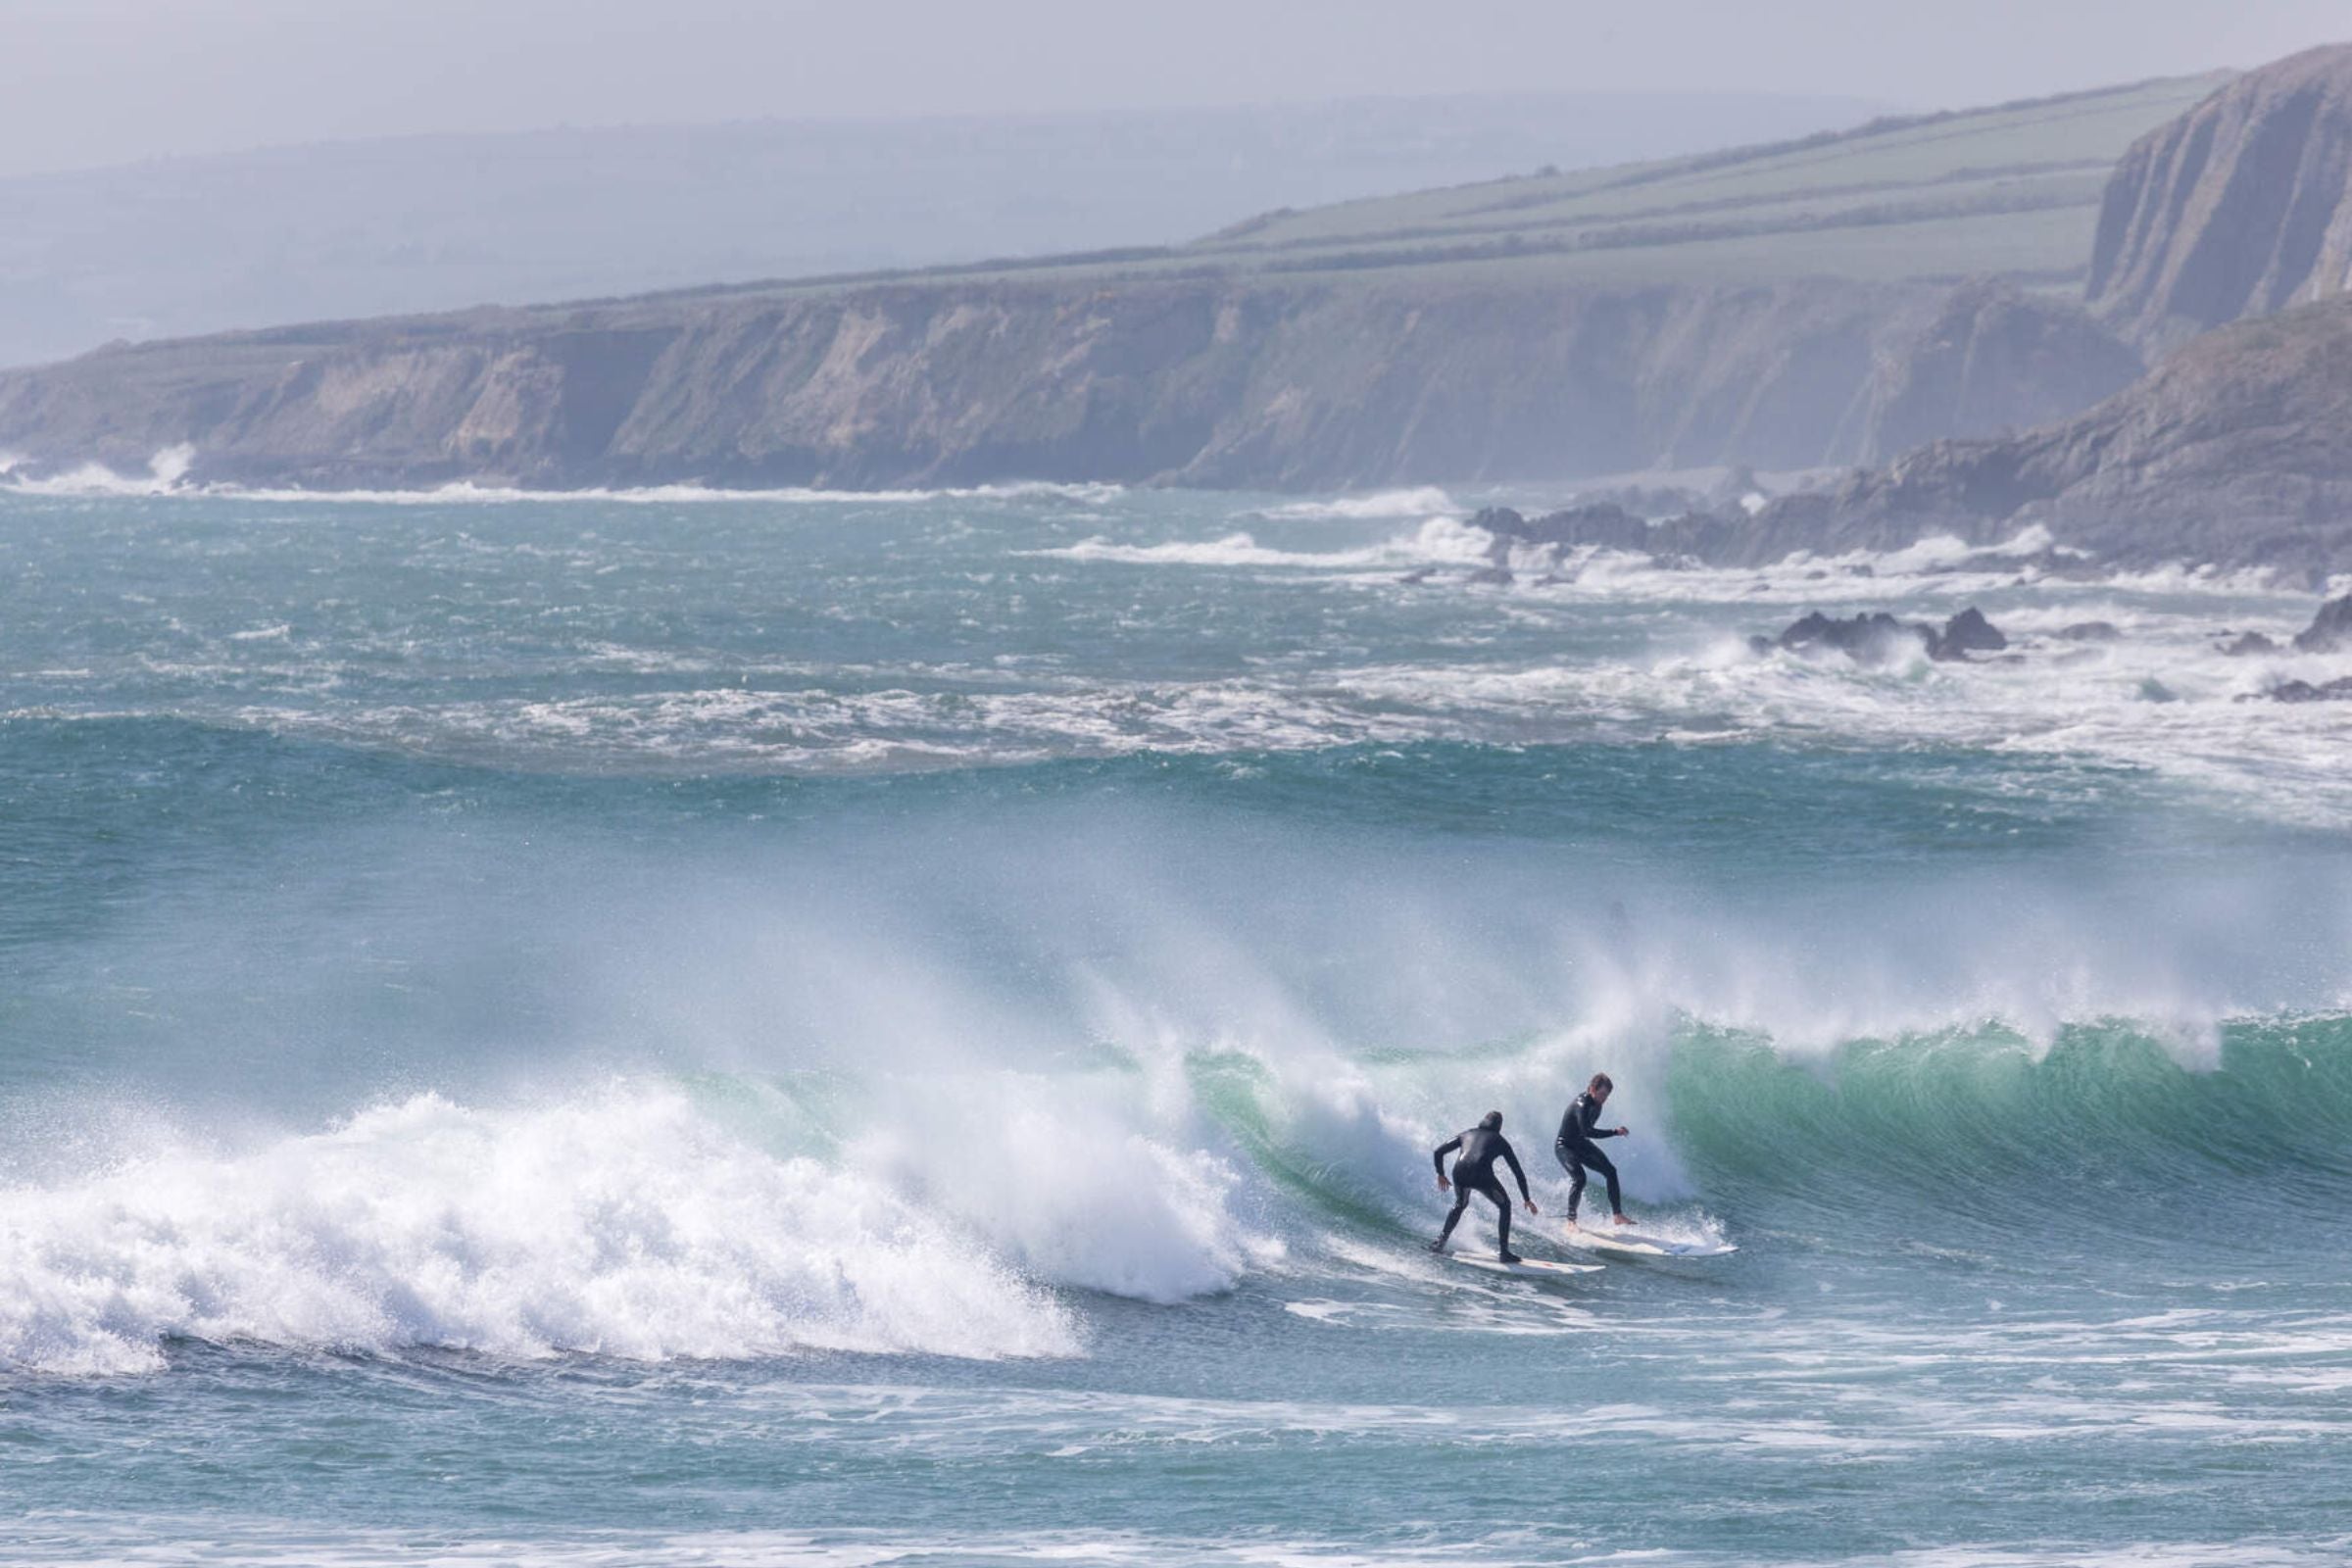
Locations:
(2237, 451)
(2240, 207)
(1210, 381)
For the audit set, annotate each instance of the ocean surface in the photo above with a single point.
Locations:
(799, 1029)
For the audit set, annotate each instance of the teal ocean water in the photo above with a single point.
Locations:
(802, 1029)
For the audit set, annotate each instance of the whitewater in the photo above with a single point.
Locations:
(692, 1028)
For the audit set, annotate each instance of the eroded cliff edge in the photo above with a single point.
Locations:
(2240, 207)
(1198, 381)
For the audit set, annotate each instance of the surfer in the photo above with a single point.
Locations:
(1576, 1148)
(1474, 1172)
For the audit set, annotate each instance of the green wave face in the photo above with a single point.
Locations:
(2107, 1134)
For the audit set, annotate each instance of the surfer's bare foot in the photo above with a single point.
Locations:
(1620, 1219)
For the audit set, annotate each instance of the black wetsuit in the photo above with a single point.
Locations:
(1474, 1172)
(1574, 1150)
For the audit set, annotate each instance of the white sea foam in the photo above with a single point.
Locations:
(620, 1223)
(167, 474)
(1439, 540)
(1420, 501)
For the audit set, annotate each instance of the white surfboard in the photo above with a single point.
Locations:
(1636, 1244)
(1533, 1268)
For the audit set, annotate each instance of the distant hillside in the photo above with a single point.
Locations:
(1827, 300)
(189, 245)
(2241, 206)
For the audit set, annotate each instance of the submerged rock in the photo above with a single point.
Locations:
(2249, 645)
(2089, 631)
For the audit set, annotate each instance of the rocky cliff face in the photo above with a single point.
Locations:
(1207, 381)
(2237, 451)
(2241, 206)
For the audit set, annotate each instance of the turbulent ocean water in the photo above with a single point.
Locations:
(799, 1029)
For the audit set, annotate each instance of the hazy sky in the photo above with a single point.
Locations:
(90, 81)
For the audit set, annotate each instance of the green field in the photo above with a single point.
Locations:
(2010, 191)
(2013, 189)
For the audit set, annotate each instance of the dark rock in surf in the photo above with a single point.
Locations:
(1966, 633)
(2329, 629)
(2339, 690)
(2089, 631)
(1868, 639)
(2251, 644)
(1873, 638)
(1601, 523)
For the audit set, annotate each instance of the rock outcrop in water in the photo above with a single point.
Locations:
(2339, 690)
(2240, 207)
(2330, 631)
(1873, 638)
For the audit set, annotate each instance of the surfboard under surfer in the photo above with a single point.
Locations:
(1577, 1147)
(1474, 1172)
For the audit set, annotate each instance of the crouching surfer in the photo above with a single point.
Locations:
(1474, 1172)
(1578, 1148)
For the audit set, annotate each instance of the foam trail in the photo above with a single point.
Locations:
(1439, 540)
(168, 470)
(1417, 502)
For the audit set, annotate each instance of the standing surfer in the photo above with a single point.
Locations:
(1577, 1147)
(1474, 1172)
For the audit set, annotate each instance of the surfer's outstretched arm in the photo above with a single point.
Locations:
(1510, 1157)
(1437, 1157)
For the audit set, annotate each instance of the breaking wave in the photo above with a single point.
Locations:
(813, 1102)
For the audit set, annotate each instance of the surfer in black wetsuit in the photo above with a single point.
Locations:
(1577, 1147)
(1474, 1172)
